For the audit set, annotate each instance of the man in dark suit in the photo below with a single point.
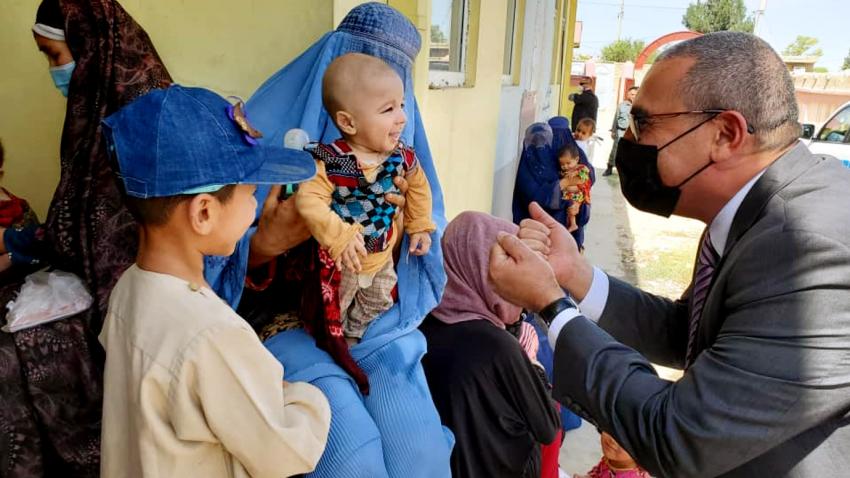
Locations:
(586, 103)
(763, 332)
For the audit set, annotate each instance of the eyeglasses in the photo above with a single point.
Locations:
(639, 121)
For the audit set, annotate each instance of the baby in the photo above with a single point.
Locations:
(584, 131)
(345, 206)
(575, 183)
(615, 463)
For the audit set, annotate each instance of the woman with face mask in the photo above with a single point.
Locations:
(49, 35)
(50, 375)
(100, 59)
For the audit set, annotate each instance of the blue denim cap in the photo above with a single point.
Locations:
(181, 140)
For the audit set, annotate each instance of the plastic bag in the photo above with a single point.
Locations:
(45, 297)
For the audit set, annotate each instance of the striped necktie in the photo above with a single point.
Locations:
(706, 264)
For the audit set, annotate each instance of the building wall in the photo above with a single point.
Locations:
(531, 99)
(230, 47)
(820, 94)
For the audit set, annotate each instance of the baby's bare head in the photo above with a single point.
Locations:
(352, 79)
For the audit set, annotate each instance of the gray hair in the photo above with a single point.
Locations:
(739, 71)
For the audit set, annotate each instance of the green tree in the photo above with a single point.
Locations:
(584, 57)
(803, 46)
(622, 50)
(821, 69)
(718, 15)
(846, 65)
(437, 35)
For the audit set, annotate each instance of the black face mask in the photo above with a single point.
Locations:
(640, 181)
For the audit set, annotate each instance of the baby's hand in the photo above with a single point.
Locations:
(350, 256)
(420, 243)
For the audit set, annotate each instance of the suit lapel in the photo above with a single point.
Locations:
(776, 177)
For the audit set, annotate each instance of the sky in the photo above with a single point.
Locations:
(783, 20)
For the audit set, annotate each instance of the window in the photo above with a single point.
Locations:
(558, 39)
(835, 130)
(510, 37)
(447, 57)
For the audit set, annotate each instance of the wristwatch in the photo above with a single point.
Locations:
(552, 310)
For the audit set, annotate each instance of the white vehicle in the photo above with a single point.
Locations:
(833, 138)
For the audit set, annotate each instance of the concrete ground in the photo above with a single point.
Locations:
(654, 253)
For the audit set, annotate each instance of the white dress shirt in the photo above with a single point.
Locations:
(594, 302)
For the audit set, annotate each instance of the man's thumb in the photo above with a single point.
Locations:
(539, 215)
(513, 247)
(273, 197)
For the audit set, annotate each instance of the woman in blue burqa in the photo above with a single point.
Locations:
(387, 427)
(538, 174)
(538, 180)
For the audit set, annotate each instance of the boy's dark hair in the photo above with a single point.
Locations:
(157, 211)
(586, 123)
(634, 88)
(570, 149)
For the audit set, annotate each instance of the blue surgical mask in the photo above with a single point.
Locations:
(62, 76)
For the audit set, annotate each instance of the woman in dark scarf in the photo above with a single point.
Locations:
(483, 382)
(537, 178)
(538, 175)
(50, 376)
(91, 232)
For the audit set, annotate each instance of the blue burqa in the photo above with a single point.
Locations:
(394, 431)
(538, 174)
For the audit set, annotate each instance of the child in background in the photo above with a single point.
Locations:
(575, 183)
(615, 463)
(18, 227)
(345, 206)
(189, 390)
(583, 135)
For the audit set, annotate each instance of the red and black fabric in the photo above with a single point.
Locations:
(13, 210)
(306, 281)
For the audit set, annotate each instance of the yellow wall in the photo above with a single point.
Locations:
(462, 123)
(230, 47)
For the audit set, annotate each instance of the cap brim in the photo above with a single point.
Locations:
(282, 166)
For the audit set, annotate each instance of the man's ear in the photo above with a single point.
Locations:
(730, 138)
(345, 122)
(204, 211)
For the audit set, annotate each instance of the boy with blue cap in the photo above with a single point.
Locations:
(189, 390)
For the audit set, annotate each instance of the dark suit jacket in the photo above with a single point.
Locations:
(587, 105)
(769, 392)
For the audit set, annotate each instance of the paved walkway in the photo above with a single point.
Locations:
(623, 241)
(604, 240)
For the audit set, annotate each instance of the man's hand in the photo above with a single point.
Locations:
(521, 276)
(420, 243)
(352, 253)
(280, 229)
(536, 236)
(573, 272)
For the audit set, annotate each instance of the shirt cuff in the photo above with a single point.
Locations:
(559, 322)
(594, 302)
